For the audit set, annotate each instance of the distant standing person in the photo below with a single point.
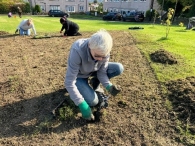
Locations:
(71, 28)
(19, 12)
(25, 26)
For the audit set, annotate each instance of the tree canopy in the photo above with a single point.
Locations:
(15, 1)
(182, 2)
(11, 6)
(182, 6)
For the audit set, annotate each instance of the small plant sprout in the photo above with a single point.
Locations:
(169, 20)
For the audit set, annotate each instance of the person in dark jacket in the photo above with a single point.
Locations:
(71, 28)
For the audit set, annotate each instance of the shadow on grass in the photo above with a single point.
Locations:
(162, 39)
(34, 115)
(181, 31)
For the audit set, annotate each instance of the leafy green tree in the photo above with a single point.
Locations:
(11, 5)
(182, 2)
(5, 6)
(187, 2)
(27, 8)
(181, 5)
(15, 1)
(100, 8)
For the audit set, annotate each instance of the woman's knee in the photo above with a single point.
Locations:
(120, 68)
(114, 69)
(93, 101)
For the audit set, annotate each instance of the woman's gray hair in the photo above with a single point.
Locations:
(102, 41)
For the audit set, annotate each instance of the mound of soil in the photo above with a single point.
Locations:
(182, 96)
(3, 32)
(163, 56)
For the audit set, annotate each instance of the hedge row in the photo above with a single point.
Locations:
(6, 7)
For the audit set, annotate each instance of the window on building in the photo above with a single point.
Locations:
(70, 8)
(110, 10)
(42, 7)
(81, 8)
(115, 10)
(135, 0)
(142, 0)
(54, 7)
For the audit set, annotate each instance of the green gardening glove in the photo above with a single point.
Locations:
(86, 111)
(114, 90)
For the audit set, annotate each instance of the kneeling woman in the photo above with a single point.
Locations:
(25, 26)
(71, 28)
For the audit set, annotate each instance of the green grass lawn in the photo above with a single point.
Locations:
(52, 24)
(180, 42)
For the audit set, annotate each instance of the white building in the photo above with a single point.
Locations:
(83, 5)
(128, 5)
(63, 5)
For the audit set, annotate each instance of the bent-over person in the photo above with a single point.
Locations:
(25, 26)
(71, 28)
(88, 66)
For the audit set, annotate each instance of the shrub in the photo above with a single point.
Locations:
(37, 9)
(27, 8)
(154, 14)
(8, 6)
(5, 7)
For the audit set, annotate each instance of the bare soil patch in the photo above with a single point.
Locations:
(182, 95)
(3, 33)
(32, 85)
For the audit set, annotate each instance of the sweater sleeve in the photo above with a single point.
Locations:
(62, 28)
(33, 28)
(74, 63)
(21, 23)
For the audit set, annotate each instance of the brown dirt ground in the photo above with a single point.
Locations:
(31, 86)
